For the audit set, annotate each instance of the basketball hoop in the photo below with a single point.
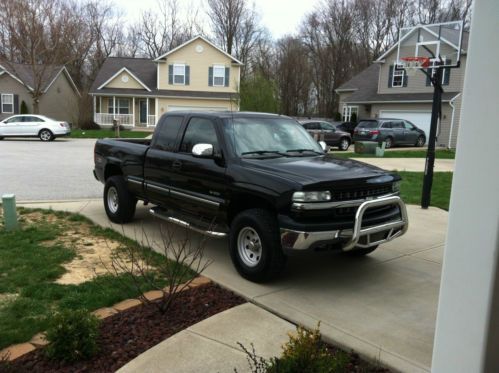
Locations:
(412, 64)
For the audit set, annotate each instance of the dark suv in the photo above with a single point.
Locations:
(392, 131)
(327, 132)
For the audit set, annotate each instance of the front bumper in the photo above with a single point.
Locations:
(358, 236)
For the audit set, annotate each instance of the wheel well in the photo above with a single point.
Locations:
(244, 202)
(44, 129)
(112, 170)
(346, 138)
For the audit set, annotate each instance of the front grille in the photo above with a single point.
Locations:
(361, 193)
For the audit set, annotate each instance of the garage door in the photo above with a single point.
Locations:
(421, 119)
(197, 108)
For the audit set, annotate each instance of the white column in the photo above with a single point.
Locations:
(147, 110)
(95, 106)
(114, 106)
(467, 330)
(133, 111)
(156, 110)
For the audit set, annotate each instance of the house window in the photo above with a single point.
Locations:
(348, 111)
(397, 78)
(7, 103)
(122, 106)
(218, 76)
(179, 74)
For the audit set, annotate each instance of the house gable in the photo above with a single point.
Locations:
(125, 79)
(199, 55)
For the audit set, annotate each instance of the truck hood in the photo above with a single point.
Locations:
(324, 169)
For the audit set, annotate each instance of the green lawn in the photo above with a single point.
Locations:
(103, 133)
(31, 260)
(440, 154)
(412, 184)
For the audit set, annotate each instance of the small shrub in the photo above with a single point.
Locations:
(337, 117)
(72, 335)
(304, 352)
(24, 108)
(353, 118)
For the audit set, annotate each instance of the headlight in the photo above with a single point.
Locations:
(396, 186)
(311, 196)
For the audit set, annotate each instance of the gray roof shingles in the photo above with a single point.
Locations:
(26, 74)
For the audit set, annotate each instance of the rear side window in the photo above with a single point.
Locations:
(386, 125)
(167, 132)
(397, 124)
(199, 131)
(408, 125)
(368, 124)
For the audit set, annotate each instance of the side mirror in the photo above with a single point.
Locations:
(202, 150)
(323, 145)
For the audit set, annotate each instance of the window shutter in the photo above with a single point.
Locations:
(390, 76)
(210, 76)
(447, 73)
(187, 75)
(170, 74)
(16, 104)
(406, 78)
(428, 80)
(227, 76)
(1, 107)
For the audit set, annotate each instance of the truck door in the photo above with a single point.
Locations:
(198, 184)
(159, 160)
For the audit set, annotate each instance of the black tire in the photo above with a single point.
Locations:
(361, 251)
(124, 209)
(45, 135)
(344, 144)
(388, 142)
(1, 138)
(270, 259)
(420, 141)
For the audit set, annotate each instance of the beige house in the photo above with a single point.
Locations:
(197, 75)
(381, 91)
(60, 98)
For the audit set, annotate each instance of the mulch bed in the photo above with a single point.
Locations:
(127, 334)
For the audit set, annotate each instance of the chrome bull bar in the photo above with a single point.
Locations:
(297, 241)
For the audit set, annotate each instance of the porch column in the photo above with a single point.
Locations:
(156, 110)
(114, 107)
(147, 111)
(467, 330)
(133, 111)
(95, 106)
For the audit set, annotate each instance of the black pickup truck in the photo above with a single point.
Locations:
(259, 179)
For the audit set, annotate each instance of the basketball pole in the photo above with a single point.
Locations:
(430, 155)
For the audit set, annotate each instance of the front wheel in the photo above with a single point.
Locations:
(118, 201)
(421, 141)
(255, 246)
(46, 135)
(344, 144)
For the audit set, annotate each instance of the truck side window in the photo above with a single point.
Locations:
(199, 131)
(166, 136)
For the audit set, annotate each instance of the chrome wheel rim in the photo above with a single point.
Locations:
(421, 141)
(388, 143)
(112, 199)
(249, 246)
(344, 144)
(45, 135)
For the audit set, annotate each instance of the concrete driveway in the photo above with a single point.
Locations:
(382, 306)
(58, 170)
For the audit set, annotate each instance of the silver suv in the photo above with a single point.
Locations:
(392, 131)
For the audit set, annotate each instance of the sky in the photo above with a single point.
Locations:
(280, 17)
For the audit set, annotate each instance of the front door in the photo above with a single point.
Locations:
(31, 125)
(11, 126)
(143, 111)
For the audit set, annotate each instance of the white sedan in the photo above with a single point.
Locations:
(33, 125)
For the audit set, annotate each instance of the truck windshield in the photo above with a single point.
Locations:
(270, 137)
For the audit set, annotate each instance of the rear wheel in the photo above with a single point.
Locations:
(420, 142)
(46, 135)
(1, 138)
(255, 247)
(344, 144)
(361, 251)
(118, 201)
(388, 143)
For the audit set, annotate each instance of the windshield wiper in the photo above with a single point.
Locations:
(263, 152)
(302, 151)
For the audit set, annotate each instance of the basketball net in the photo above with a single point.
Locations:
(413, 64)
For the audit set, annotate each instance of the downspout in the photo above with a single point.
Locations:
(451, 103)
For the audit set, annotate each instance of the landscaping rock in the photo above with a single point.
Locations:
(126, 304)
(200, 280)
(105, 312)
(39, 340)
(153, 295)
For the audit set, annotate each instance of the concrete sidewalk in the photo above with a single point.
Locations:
(383, 306)
(212, 344)
(409, 164)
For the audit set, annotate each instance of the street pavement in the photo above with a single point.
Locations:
(58, 170)
(383, 306)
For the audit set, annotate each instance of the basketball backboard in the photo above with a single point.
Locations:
(441, 43)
